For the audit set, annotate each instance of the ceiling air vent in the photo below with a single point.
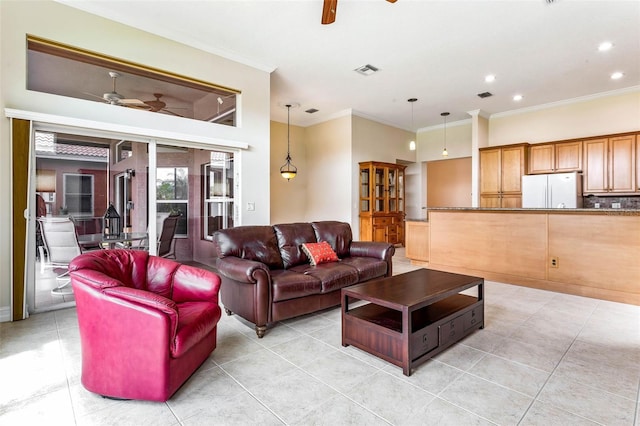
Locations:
(366, 69)
(311, 110)
(484, 95)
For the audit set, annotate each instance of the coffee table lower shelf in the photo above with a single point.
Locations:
(431, 329)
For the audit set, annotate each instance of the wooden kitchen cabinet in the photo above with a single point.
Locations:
(417, 241)
(555, 157)
(501, 171)
(610, 165)
(638, 163)
(381, 200)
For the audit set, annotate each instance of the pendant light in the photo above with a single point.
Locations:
(288, 170)
(444, 151)
(412, 144)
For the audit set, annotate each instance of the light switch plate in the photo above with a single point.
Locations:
(615, 205)
(251, 207)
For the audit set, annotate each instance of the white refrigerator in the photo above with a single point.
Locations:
(557, 190)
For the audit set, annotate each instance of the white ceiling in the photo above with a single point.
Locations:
(436, 51)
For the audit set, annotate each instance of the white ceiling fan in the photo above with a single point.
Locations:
(115, 98)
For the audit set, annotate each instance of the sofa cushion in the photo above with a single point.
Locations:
(319, 253)
(367, 267)
(337, 234)
(333, 276)
(256, 243)
(290, 285)
(290, 238)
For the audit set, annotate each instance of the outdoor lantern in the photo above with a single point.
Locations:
(111, 223)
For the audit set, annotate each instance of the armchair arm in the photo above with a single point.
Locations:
(95, 279)
(379, 250)
(242, 270)
(195, 284)
(145, 298)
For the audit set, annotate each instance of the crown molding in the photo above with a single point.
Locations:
(565, 102)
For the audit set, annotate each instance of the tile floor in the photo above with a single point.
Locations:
(543, 359)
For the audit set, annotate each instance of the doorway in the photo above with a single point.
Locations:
(77, 178)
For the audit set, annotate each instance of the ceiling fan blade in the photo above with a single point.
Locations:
(329, 11)
(171, 112)
(132, 102)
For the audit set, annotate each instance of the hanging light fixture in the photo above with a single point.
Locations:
(444, 151)
(412, 144)
(288, 170)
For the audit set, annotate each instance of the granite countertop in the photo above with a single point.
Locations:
(611, 212)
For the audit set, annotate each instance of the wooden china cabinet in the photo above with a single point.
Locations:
(381, 202)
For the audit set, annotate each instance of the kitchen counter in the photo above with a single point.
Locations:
(586, 252)
(610, 212)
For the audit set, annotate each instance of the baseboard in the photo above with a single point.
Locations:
(5, 314)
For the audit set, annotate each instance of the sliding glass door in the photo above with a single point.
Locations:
(77, 178)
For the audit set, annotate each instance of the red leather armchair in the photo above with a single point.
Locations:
(146, 323)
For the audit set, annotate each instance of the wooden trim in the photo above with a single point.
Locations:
(73, 53)
(20, 136)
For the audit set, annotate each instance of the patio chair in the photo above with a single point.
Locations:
(61, 245)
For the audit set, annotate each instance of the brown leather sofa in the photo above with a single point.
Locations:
(267, 277)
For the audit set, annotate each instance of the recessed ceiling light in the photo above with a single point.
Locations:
(604, 46)
(617, 75)
(517, 98)
(490, 78)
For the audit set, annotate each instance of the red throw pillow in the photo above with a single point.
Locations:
(319, 253)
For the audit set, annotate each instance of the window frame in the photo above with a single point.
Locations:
(65, 194)
(184, 220)
(225, 199)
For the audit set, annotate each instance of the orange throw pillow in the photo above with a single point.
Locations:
(319, 253)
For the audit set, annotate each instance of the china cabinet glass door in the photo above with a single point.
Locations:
(365, 190)
(400, 190)
(379, 201)
(392, 190)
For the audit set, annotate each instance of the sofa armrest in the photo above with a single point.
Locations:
(379, 250)
(241, 270)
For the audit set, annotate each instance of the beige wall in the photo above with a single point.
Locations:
(327, 157)
(329, 169)
(373, 141)
(593, 116)
(288, 198)
(55, 21)
(431, 141)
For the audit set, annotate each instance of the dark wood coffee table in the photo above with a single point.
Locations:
(411, 317)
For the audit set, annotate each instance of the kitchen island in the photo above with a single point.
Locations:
(586, 252)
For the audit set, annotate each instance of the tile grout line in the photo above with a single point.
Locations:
(535, 398)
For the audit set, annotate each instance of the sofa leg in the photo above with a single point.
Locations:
(260, 329)
(228, 312)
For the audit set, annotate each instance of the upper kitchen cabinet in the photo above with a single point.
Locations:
(637, 163)
(555, 157)
(610, 165)
(501, 171)
(382, 206)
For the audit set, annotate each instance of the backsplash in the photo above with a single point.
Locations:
(606, 202)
